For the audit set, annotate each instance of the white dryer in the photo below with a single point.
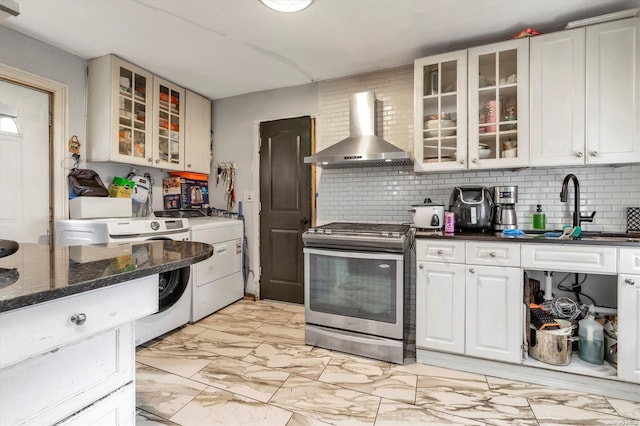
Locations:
(174, 290)
(217, 281)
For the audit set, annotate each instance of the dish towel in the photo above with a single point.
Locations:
(513, 233)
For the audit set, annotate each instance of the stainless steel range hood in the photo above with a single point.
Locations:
(363, 147)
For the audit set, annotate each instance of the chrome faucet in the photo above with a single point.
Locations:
(577, 217)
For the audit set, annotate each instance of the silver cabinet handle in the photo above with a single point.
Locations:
(157, 160)
(440, 251)
(579, 154)
(492, 254)
(474, 161)
(151, 160)
(473, 271)
(189, 165)
(78, 319)
(594, 153)
(421, 266)
(461, 161)
(629, 281)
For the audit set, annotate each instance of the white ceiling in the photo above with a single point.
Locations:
(222, 48)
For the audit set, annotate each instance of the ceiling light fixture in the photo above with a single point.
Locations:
(287, 5)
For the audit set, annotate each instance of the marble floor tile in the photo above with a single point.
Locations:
(242, 378)
(230, 324)
(398, 413)
(298, 420)
(248, 364)
(183, 334)
(468, 401)
(161, 393)
(374, 378)
(327, 403)
(624, 408)
(270, 315)
(225, 344)
(549, 395)
(147, 419)
(231, 309)
(213, 407)
(279, 334)
(296, 359)
(175, 358)
(558, 414)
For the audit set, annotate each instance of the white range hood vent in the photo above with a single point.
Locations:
(363, 147)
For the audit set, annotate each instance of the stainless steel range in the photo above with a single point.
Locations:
(357, 292)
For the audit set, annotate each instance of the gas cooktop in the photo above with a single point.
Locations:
(383, 229)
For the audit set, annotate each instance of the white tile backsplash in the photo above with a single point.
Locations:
(385, 194)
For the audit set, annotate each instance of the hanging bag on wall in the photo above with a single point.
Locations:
(87, 183)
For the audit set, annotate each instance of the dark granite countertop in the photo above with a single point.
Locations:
(38, 273)
(624, 240)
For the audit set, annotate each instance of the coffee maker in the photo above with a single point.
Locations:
(505, 198)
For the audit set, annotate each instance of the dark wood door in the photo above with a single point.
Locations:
(285, 197)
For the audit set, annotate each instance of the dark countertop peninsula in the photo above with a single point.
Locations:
(38, 273)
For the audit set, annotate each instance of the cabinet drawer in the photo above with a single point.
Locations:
(570, 258)
(39, 328)
(493, 254)
(67, 379)
(440, 251)
(629, 262)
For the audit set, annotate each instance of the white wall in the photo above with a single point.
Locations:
(235, 139)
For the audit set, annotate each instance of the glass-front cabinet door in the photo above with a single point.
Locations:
(499, 105)
(169, 125)
(133, 87)
(440, 109)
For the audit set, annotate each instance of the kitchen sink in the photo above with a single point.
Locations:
(588, 236)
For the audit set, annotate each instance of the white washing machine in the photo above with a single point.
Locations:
(174, 291)
(217, 281)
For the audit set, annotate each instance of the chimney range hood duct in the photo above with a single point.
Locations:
(362, 147)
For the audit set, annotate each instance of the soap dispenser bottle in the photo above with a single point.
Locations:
(539, 218)
(591, 343)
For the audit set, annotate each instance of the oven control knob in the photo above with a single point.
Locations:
(155, 225)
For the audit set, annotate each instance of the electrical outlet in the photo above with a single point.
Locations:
(248, 195)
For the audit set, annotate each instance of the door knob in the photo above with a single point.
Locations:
(304, 221)
(629, 281)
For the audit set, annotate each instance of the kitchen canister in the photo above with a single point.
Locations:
(591, 343)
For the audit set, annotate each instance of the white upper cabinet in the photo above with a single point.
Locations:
(440, 110)
(135, 117)
(169, 101)
(197, 134)
(585, 95)
(558, 98)
(613, 92)
(120, 108)
(499, 105)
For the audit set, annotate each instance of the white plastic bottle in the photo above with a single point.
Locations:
(591, 344)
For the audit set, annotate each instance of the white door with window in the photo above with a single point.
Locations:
(24, 163)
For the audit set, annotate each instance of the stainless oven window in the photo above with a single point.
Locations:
(364, 288)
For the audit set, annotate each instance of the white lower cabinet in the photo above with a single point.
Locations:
(117, 409)
(494, 313)
(72, 359)
(469, 309)
(440, 312)
(629, 328)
